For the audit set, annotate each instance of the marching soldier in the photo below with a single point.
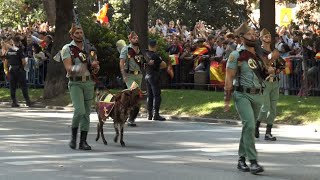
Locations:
(78, 65)
(271, 90)
(131, 62)
(154, 64)
(248, 72)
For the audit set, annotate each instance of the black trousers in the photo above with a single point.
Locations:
(18, 77)
(154, 93)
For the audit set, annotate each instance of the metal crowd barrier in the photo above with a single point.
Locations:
(35, 75)
(303, 79)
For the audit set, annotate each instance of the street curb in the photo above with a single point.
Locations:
(206, 120)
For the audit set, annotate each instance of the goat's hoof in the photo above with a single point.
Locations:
(105, 142)
(115, 139)
(97, 139)
(122, 144)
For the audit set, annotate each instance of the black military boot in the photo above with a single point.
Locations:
(156, 115)
(15, 104)
(150, 115)
(83, 145)
(268, 136)
(256, 133)
(255, 168)
(26, 96)
(73, 142)
(242, 166)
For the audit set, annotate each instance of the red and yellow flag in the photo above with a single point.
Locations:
(318, 56)
(288, 69)
(102, 17)
(174, 58)
(217, 72)
(200, 51)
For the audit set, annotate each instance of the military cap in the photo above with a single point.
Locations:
(263, 32)
(242, 29)
(152, 42)
(132, 34)
(73, 28)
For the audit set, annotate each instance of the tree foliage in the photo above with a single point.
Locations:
(217, 13)
(20, 12)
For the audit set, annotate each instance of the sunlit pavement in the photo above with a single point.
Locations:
(34, 146)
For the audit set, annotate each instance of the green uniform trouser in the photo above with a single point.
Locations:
(248, 107)
(81, 96)
(270, 99)
(131, 78)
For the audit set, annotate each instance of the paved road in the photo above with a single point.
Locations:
(33, 146)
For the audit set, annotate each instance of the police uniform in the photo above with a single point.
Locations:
(17, 75)
(247, 96)
(81, 89)
(271, 97)
(133, 64)
(153, 84)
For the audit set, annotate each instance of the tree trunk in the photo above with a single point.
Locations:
(140, 21)
(139, 18)
(50, 9)
(268, 16)
(56, 82)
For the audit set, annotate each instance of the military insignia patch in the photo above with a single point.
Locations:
(231, 57)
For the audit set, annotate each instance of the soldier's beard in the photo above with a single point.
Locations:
(249, 43)
(78, 39)
(135, 44)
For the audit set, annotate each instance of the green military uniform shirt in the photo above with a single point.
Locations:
(66, 53)
(247, 76)
(130, 63)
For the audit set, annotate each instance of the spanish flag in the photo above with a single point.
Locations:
(217, 72)
(318, 56)
(102, 14)
(174, 58)
(288, 69)
(199, 52)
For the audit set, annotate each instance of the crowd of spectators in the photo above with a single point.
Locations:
(36, 43)
(192, 49)
(296, 43)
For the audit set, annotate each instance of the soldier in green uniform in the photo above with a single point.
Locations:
(131, 62)
(244, 76)
(271, 90)
(78, 65)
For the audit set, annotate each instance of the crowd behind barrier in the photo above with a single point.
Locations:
(291, 83)
(198, 57)
(35, 74)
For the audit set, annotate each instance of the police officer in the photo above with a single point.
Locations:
(271, 90)
(78, 65)
(244, 75)
(131, 62)
(16, 62)
(154, 64)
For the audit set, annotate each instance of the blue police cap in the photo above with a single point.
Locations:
(152, 42)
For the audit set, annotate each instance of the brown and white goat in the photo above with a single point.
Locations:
(122, 102)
